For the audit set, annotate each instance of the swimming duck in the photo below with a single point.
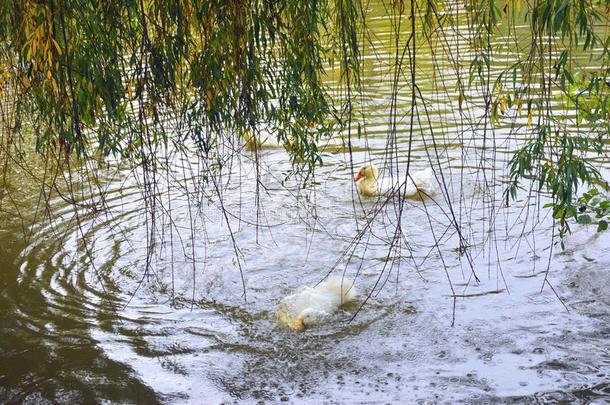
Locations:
(371, 186)
(312, 306)
(260, 140)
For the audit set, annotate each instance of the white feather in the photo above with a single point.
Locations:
(372, 186)
(313, 306)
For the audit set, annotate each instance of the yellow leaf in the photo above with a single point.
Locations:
(529, 120)
(209, 95)
(25, 45)
(56, 46)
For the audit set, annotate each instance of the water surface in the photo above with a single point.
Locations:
(83, 318)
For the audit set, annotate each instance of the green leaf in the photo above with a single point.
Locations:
(570, 211)
(602, 225)
(584, 219)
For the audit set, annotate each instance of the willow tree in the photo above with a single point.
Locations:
(99, 76)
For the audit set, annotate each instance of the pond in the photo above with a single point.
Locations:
(115, 307)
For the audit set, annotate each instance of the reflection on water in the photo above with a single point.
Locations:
(66, 335)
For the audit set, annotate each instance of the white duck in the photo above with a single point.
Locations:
(371, 186)
(311, 306)
(261, 140)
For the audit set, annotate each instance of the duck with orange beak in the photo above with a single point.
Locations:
(371, 186)
(313, 306)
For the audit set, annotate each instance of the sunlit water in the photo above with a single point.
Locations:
(68, 336)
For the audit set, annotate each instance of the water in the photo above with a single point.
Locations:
(67, 335)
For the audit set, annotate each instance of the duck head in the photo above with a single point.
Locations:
(368, 172)
(307, 317)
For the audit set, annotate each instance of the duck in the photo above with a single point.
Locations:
(372, 186)
(260, 140)
(314, 305)
(265, 140)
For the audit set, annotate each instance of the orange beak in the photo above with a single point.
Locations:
(358, 177)
(298, 325)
